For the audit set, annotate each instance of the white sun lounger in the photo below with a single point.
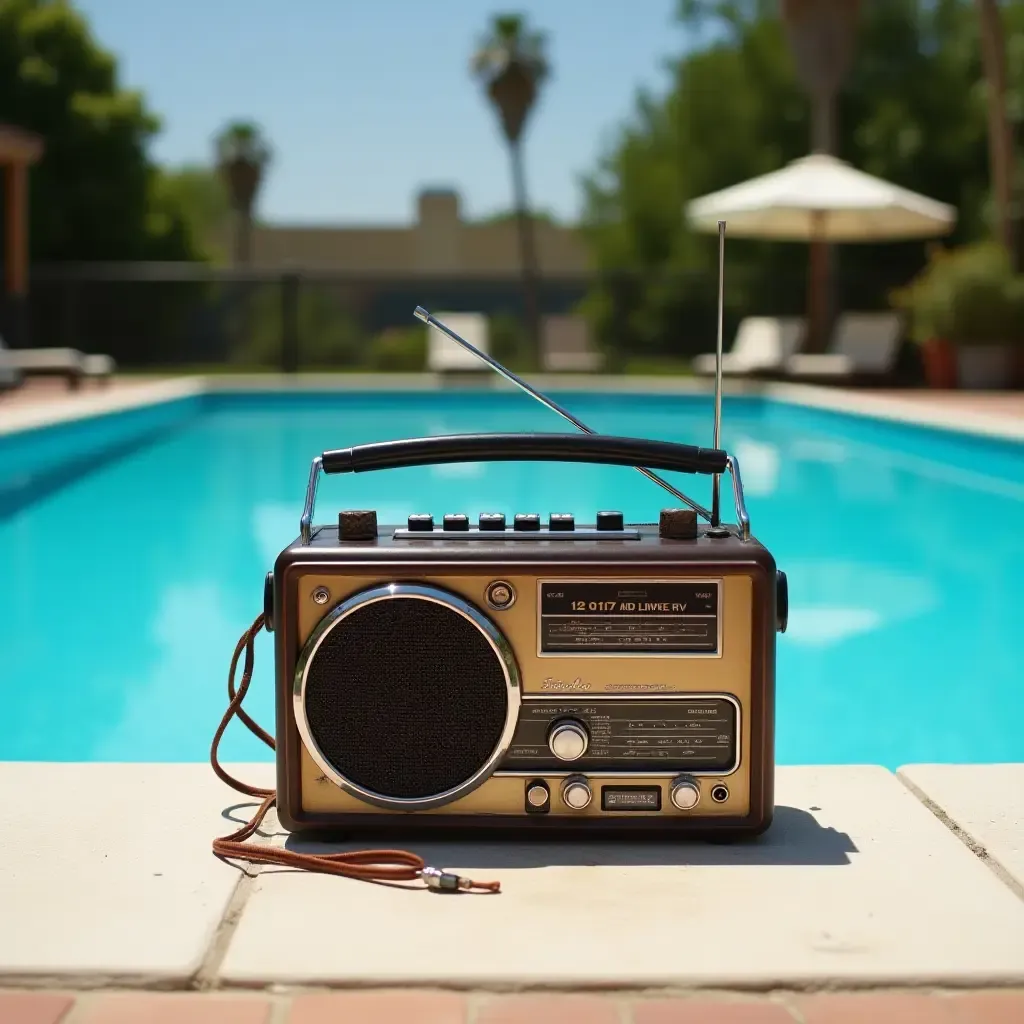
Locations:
(566, 346)
(74, 366)
(761, 343)
(864, 345)
(447, 356)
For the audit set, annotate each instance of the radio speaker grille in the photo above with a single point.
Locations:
(406, 698)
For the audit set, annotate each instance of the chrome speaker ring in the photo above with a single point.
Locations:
(420, 592)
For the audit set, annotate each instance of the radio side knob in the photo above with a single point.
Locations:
(568, 740)
(576, 793)
(685, 794)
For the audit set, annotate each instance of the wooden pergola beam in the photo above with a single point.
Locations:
(18, 151)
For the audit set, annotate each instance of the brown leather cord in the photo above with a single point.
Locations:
(367, 865)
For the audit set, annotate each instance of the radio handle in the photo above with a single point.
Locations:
(547, 447)
(584, 448)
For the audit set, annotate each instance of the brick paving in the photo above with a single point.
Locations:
(1002, 1006)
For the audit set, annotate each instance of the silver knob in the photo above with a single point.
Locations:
(576, 793)
(568, 740)
(685, 794)
(537, 795)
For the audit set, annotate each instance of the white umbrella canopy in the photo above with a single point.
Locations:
(821, 199)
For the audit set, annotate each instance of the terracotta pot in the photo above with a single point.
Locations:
(940, 363)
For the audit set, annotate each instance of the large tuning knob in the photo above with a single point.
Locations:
(568, 739)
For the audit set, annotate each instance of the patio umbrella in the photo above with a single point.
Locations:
(821, 200)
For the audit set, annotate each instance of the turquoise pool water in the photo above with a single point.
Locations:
(128, 575)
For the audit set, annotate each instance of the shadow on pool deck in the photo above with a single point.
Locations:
(794, 839)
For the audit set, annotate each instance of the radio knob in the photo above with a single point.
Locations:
(576, 793)
(528, 521)
(609, 520)
(458, 523)
(568, 740)
(564, 521)
(685, 794)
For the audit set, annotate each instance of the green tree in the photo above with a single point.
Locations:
(1000, 133)
(242, 158)
(95, 195)
(198, 194)
(912, 110)
(511, 64)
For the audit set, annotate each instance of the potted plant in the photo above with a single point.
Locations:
(968, 303)
(924, 302)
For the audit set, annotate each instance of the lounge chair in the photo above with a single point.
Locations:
(566, 346)
(445, 356)
(864, 349)
(74, 366)
(762, 343)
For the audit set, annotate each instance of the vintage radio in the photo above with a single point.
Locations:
(540, 676)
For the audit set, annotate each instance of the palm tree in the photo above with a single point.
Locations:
(822, 37)
(511, 65)
(1000, 134)
(242, 158)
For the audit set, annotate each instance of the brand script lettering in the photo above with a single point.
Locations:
(561, 684)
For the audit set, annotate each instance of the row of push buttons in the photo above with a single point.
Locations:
(495, 521)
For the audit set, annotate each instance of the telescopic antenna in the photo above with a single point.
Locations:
(716, 480)
(427, 318)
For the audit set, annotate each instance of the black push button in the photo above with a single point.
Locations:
(609, 520)
(492, 521)
(527, 521)
(561, 521)
(456, 522)
(421, 522)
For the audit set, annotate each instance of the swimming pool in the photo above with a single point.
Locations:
(128, 577)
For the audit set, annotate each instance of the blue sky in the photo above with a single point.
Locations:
(367, 100)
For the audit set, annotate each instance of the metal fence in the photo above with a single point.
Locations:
(167, 317)
(160, 317)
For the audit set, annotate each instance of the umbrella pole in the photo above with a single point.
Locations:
(818, 285)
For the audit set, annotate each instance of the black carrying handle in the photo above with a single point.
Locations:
(596, 448)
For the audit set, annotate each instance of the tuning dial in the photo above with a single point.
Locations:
(685, 794)
(568, 740)
(576, 792)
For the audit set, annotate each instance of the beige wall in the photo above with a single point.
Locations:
(440, 242)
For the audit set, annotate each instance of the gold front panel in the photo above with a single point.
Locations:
(626, 675)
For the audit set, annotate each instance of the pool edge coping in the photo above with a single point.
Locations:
(918, 412)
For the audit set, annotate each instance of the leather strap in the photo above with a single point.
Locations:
(367, 865)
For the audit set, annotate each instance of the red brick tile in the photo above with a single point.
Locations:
(33, 1007)
(988, 1007)
(379, 1008)
(549, 1009)
(701, 1010)
(875, 1008)
(174, 1008)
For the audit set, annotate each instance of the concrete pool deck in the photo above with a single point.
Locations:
(908, 884)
